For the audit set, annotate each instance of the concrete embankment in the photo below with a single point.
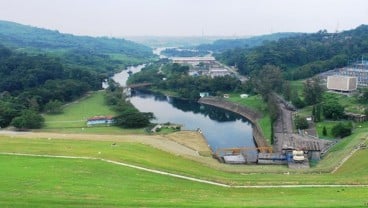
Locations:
(243, 111)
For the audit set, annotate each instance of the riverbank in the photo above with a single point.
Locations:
(251, 115)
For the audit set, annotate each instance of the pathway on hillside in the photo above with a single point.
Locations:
(187, 177)
(349, 155)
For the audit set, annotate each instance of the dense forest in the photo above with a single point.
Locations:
(304, 55)
(100, 54)
(222, 45)
(31, 82)
(17, 35)
(42, 69)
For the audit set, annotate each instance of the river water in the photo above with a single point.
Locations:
(221, 128)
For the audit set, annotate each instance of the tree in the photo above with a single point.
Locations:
(132, 118)
(324, 131)
(313, 91)
(287, 90)
(300, 122)
(28, 120)
(53, 107)
(316, 112)
(333, 110)
(341, 130)
(267, 80)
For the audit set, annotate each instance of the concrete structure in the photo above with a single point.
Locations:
(234, 159)
(341, 83)
(193, 60)
(218, 72)
(358, 70)
(204, 94)
(244, 95)
(100, 120)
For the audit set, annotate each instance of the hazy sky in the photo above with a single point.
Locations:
(123, 18)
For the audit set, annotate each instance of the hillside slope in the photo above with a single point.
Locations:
(304, 55)
(18, 35)
(226, 44)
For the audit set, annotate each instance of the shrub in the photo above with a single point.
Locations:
(341, 130)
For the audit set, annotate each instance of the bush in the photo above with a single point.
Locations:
(301, 122)
(28, 120)
(333, 110)
(342, 130)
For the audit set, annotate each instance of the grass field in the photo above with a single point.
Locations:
(50, 182)
(75, 115)
(143, 155)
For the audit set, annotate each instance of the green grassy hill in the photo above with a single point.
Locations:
(57, 182)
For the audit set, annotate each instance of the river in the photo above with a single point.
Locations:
(221, 128)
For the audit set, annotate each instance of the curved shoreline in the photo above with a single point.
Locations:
(243, 111)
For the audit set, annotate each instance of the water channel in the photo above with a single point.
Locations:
(221, 128)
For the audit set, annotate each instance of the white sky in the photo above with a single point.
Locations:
(123, 18)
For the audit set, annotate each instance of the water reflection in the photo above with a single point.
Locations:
(220, 127)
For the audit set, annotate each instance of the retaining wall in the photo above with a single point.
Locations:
(243, 111)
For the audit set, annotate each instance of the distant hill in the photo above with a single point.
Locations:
(22, 36)
(226, 44)
(175, 41)
(303, 55)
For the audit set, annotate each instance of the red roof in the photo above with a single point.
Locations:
(97, 118)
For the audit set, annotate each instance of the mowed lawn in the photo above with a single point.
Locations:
(75, 115)
(146, 156)
(55, 182)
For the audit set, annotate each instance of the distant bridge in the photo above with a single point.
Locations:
(139, 85)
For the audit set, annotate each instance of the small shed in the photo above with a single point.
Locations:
(100, 120)
(234, 159)
(204, 94)
(244, 95)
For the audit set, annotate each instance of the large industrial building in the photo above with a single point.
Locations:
(358, 70)
(341, 83)
(193, 60)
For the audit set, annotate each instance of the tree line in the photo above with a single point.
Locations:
(302, 56)
(35, 83)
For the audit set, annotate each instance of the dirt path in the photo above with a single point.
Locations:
(349, 156)
(161, 142)
(186, 177)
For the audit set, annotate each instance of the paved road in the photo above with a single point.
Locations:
(187, 177)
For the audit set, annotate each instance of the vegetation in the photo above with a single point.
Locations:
(172, 52)
(21, 36)
(302, 56)
(42, 69)
(127, 115)
(75, 115)
(300, 122)
(256, 103)
(342, 130)
(31, 82)
(68, 182)
(53, 107)
(174, 77)
(222, 45)
(28, 119)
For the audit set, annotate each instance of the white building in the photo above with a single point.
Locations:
(218, 72)
(193, 60)
(341, 83)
